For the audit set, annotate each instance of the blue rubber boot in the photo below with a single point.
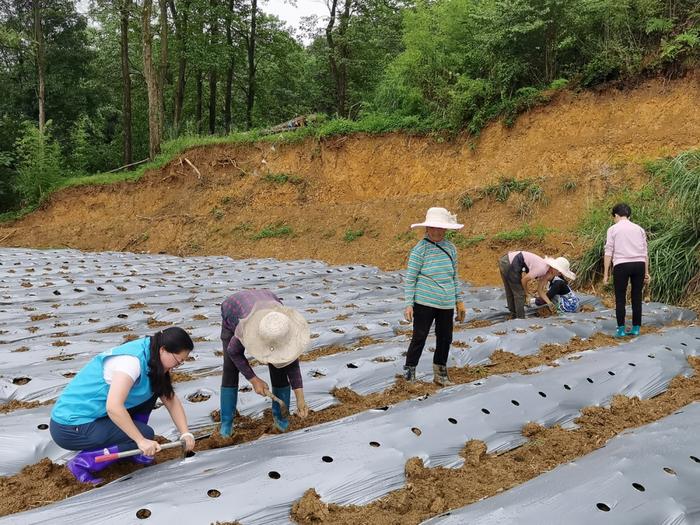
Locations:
(620, 332)
(635, 331)
(284, 393)
(83, 465)
(142, 459)
(228, 402)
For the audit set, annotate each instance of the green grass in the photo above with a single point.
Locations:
(506, 186)
(465, 201)
(282, 178)
(352, 235)
(525, 233)
(569, 185)
(460, 241)
(274, 230)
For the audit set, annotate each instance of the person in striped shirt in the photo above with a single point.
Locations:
(432, 293)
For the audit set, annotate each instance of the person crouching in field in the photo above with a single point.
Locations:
(255, 321)
(106, 406)
(561, 295)
(518, 268)
(432, 293)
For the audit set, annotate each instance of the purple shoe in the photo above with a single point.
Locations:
(143, 459)
(83, 465)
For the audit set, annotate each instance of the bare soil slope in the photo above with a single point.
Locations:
(352, 199)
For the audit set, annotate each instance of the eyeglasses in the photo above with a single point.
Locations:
(176, 360)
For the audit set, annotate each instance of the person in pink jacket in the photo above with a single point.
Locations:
(626, 249)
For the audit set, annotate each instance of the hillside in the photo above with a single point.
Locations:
(351, 199)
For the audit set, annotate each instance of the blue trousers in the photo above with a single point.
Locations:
(102, 432)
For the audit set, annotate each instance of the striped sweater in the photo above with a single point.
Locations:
(431, 278)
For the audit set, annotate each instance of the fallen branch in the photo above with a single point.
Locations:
(199, 175)
(128, 165)
(8, 235)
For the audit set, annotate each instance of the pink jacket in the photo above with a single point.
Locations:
(626, 242)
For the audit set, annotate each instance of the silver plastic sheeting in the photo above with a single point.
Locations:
(361, 458)
(648, 476)
(58, 308)
(364, 370)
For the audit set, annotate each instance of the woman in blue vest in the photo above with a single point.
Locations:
(105, 408)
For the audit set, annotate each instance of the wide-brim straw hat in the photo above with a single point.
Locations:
(439, 218)
(562, 265)
(273, 334)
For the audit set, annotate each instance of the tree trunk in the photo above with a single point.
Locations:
(151, 76)
(40, 62)
(198, 103)
(250, 100)
(229, 69)
(337, 54)
(125, 7)
(163, 70)
(181, 23)
(213, 74)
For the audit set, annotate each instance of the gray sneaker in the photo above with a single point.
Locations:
(409, 373)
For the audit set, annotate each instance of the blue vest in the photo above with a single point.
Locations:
(85, 398)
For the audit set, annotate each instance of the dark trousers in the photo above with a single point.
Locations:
(102, 432)
(622, 274)
(515, 293)
(423, 317)
(278, 376)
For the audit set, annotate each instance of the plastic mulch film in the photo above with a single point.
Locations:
(646, 476)
(364, 370)
(59, 308)
(361, 458)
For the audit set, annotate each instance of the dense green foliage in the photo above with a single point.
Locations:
(668, 208)
(416, 65)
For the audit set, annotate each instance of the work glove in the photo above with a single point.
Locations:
(461, 312)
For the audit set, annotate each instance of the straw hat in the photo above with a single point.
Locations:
(439, 218)
(561, 264)
(273, 334)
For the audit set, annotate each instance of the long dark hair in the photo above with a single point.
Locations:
(174, 340)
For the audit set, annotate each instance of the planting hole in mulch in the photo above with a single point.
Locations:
(21, 380)
(213, 493)
(274, 475)
(198, 397)
(142, 514)
(327, 459)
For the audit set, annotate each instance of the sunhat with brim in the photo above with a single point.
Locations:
(562, 265)
(274, 334)
(439, 218)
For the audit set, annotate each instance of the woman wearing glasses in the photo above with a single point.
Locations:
(105, 408)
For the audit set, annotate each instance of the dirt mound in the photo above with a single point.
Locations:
(352, 199)
(431, 491)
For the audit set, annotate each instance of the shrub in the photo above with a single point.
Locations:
(352, 235)
(275, 230)
(39, 164)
